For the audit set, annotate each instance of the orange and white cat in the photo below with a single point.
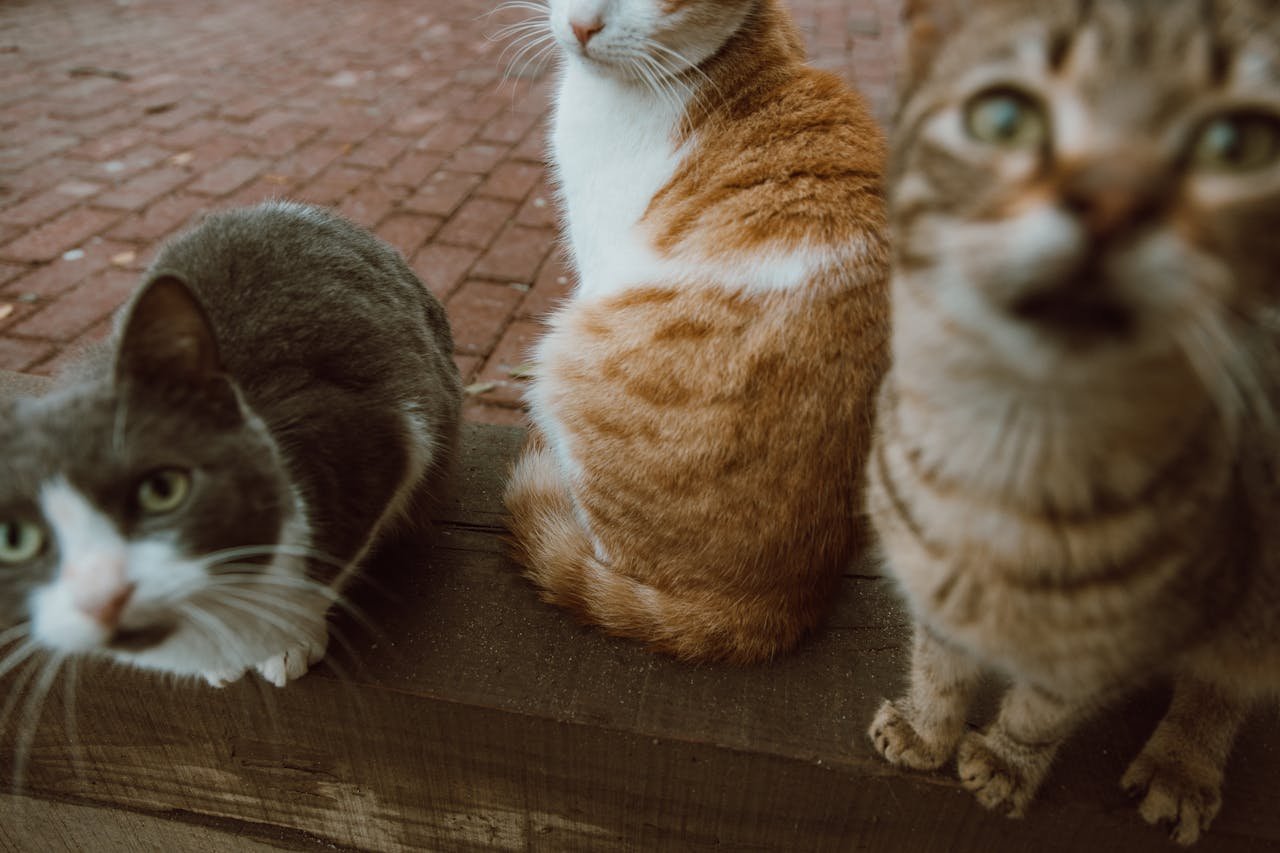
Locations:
(703, 403)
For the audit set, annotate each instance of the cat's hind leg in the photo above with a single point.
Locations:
(1005, 765)
(1179, 772)
(921, 730)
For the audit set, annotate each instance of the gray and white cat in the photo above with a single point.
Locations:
(191, 499)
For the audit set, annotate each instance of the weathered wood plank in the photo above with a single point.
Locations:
(480, 719)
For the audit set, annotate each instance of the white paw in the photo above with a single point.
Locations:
(222, 677)
(293, 662)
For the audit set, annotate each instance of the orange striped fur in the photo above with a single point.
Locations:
(697, 479)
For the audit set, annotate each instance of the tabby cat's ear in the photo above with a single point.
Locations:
(926, 24)
(166, 337)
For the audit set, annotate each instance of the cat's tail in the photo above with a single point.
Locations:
(558, 556)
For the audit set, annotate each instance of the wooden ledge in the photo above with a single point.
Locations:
(483, 720)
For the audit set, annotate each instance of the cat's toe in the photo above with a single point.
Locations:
(1174, 795)
(220, 678)
(898, 742)
(997, 783)
(292, 663)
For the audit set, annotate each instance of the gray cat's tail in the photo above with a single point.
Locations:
(558, 556)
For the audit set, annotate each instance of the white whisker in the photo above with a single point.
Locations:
(30, 721)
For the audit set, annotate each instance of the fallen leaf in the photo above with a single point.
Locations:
(276, 179)
(478, 388)
(523, 288)
(123, 259)
(182, 159)
(7, 309)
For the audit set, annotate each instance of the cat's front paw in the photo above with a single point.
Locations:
(1174, 795)
(896, 739)
(220, 678)
(293, 662)
(1002, 780)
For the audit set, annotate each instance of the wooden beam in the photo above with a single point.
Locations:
(478, 718)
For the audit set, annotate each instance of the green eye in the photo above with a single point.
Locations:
(163, 491)
(1006, 118)
(20, 541)
(1243, 142)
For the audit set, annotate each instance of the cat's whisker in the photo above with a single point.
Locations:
(543, 45)
(686, 67)
(334, 633)
(17, 690)
(219, 634)
(334, 597)
(17, 632)
(31, 713)
(78, 759)
(16, 657)
(210, 560)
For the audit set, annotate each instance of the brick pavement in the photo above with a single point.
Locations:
(122, 120)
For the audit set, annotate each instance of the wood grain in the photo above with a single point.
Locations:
(479, 719)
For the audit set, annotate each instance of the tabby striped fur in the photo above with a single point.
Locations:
(1074, 472)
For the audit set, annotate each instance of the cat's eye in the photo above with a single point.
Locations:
(163, 491)
(20, 541)
(1006, 117)
(1240, 142)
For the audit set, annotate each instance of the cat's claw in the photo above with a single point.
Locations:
(899, 743)
(292, 663)
(998, 783)
(1173, 797)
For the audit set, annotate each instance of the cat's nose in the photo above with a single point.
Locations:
(1114, 194)
(106, 607)
(584, 30)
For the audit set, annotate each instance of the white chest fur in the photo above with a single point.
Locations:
(614, 147)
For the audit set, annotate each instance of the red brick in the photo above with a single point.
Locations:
(8, 272)
(53, 238)
(478, 312)
(231, 175)
(442, 194)
(160, 218)
(369, 203)
(511, 181)
(19, 355)
(449, 136)
(378, 152)
(477, 222)
(38, 208)
(467, 366)
(552, 288)
(509, 127)
(412, 168)
(52, 279)
(408, 231)
(479, 157)
(106, 146)
(514, 353)
(540, 209)
(516, 255)
(442, 268)
(142, 189)
(283, 139)
(76, 311)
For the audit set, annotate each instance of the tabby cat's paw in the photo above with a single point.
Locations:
(897, 740)
(999, 780)
(292, 663)
(1174, 795)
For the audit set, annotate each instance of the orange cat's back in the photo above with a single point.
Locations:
(704, 423)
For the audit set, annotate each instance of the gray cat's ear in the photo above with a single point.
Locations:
(166, 336)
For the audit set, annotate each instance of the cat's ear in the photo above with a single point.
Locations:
(166, 340)
(926, 24)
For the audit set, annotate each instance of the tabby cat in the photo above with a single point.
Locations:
(1075, 470)
(703, 403)
(193, 498)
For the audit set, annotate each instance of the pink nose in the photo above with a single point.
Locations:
(105, 609)
(584, 32)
